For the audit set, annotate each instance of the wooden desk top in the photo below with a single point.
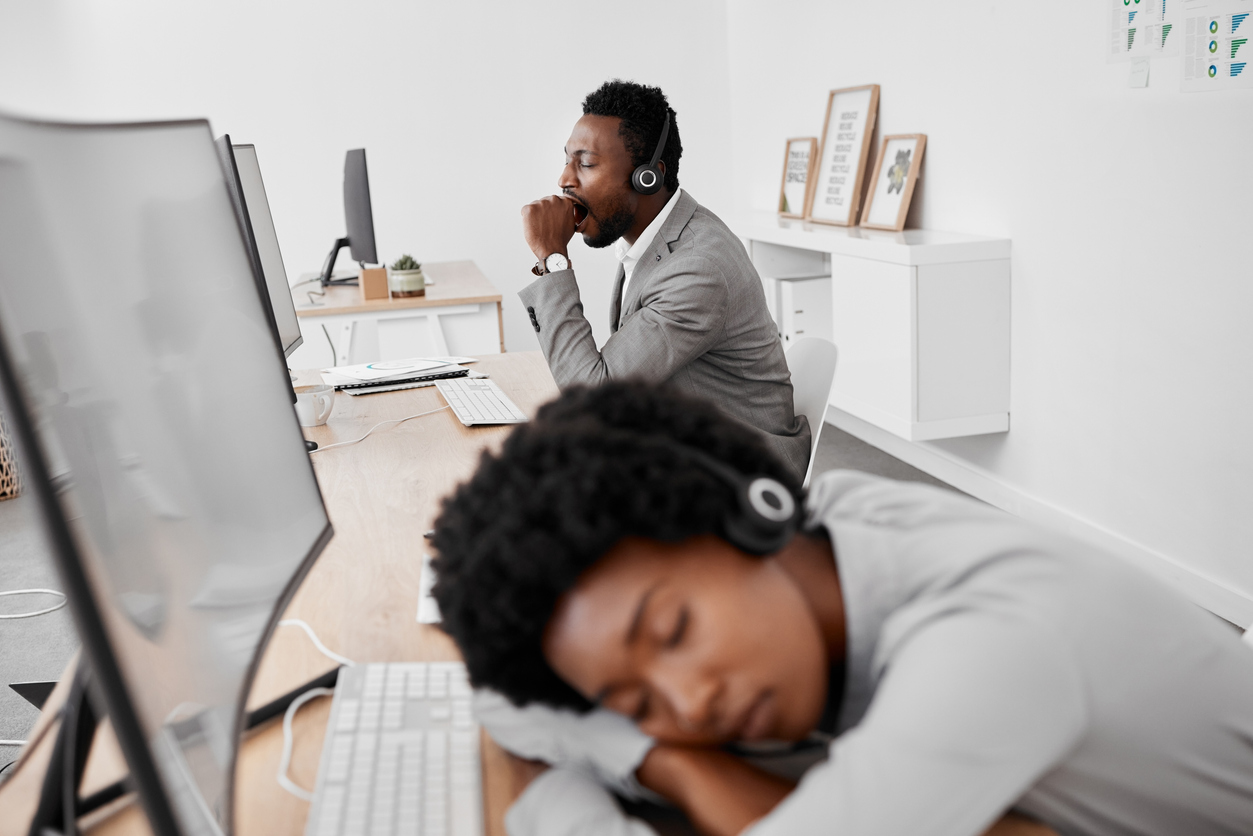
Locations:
(361, 597)
(455, 283)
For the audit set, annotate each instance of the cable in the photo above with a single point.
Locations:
(331, 343)
(285, 761)
(31, 744)
(375, 427)
(326, 651)
(35, 592)
(12, 742)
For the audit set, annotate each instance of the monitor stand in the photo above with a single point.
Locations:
(60, 805)
(328, 267)
(310, 446)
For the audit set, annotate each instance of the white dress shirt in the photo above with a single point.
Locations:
(630, 256)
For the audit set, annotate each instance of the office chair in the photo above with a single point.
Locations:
(812, 362)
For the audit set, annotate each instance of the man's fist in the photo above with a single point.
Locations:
(548, 224)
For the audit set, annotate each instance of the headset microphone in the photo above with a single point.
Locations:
(647, 179)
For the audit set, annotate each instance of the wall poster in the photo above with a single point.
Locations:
(798, 162)
(844, 151)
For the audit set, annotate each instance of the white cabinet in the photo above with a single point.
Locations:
(459, 314)
(803, 308)
(921, 320)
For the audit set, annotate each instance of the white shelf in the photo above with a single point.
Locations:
(921, 319)
(911, 247)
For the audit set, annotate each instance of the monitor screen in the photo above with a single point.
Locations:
(142, 385)
(357, 211)
(226, 155)
(258, 208)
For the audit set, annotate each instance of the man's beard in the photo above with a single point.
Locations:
(611, 228)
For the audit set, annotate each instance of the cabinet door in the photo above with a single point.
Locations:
(872, 324)
(963, 339)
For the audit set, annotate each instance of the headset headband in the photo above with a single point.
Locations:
(661, 143)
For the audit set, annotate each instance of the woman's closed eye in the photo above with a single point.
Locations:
(680, 629)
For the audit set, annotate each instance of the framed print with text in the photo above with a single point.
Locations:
(892, 183)
(835, 193)
(798, 163)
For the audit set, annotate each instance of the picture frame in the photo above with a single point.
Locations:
(892, 183)
(799, 156)
(844, 151)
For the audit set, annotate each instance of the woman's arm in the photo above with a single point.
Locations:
(720, 793)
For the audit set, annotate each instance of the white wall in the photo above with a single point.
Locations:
(1130, 210)
(1131, 214)
(463, 106)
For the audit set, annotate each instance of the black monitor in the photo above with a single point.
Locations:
(243, 175)
(358, 216)
(154, 423)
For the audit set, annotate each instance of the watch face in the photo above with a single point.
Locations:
(556, 262)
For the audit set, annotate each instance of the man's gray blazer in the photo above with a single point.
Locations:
(695, 317)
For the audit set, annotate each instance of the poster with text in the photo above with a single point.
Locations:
(1144, 28)
(796, 163)
(843, 158)
(1216, 46)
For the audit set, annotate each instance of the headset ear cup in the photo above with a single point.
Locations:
(741, 533)
(754, 532)
(646, 180)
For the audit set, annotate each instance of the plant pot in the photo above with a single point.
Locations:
(406, 282)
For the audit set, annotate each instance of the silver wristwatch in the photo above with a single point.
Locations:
(554, 262)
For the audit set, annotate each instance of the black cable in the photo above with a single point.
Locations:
(275, 708)
(252, 720)
(332, 345)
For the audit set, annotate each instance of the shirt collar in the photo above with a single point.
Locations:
(628, 256)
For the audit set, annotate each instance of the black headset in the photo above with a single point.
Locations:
(647, 179)
(767, 515)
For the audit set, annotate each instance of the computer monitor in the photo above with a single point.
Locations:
(358, 217)
(155, 427)
(226, 155)
(258, 224)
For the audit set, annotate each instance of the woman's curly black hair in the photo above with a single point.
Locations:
(595, 466)
(642, 110)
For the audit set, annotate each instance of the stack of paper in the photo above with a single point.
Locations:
(395, 371)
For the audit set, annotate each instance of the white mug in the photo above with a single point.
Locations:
(313, 405)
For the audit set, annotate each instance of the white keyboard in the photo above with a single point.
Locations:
(401, 756)
(479, 402)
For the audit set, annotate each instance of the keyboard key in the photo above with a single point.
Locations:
(401, 755)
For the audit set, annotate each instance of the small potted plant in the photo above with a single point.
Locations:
(405, 277)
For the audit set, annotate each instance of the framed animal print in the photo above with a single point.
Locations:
(798, 163)
(892, 183)
(844, 154)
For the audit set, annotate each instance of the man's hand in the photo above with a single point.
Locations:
(548, 225)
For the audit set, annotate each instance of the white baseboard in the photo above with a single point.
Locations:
(1211, 593)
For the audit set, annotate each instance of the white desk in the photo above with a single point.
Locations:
(921, 319)
(460, 314)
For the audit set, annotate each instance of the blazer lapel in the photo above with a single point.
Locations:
(615, 301)
(656, 253)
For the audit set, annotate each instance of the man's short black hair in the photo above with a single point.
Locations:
(642, 110)
(595, 466)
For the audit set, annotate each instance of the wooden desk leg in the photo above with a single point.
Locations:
(500, 321)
